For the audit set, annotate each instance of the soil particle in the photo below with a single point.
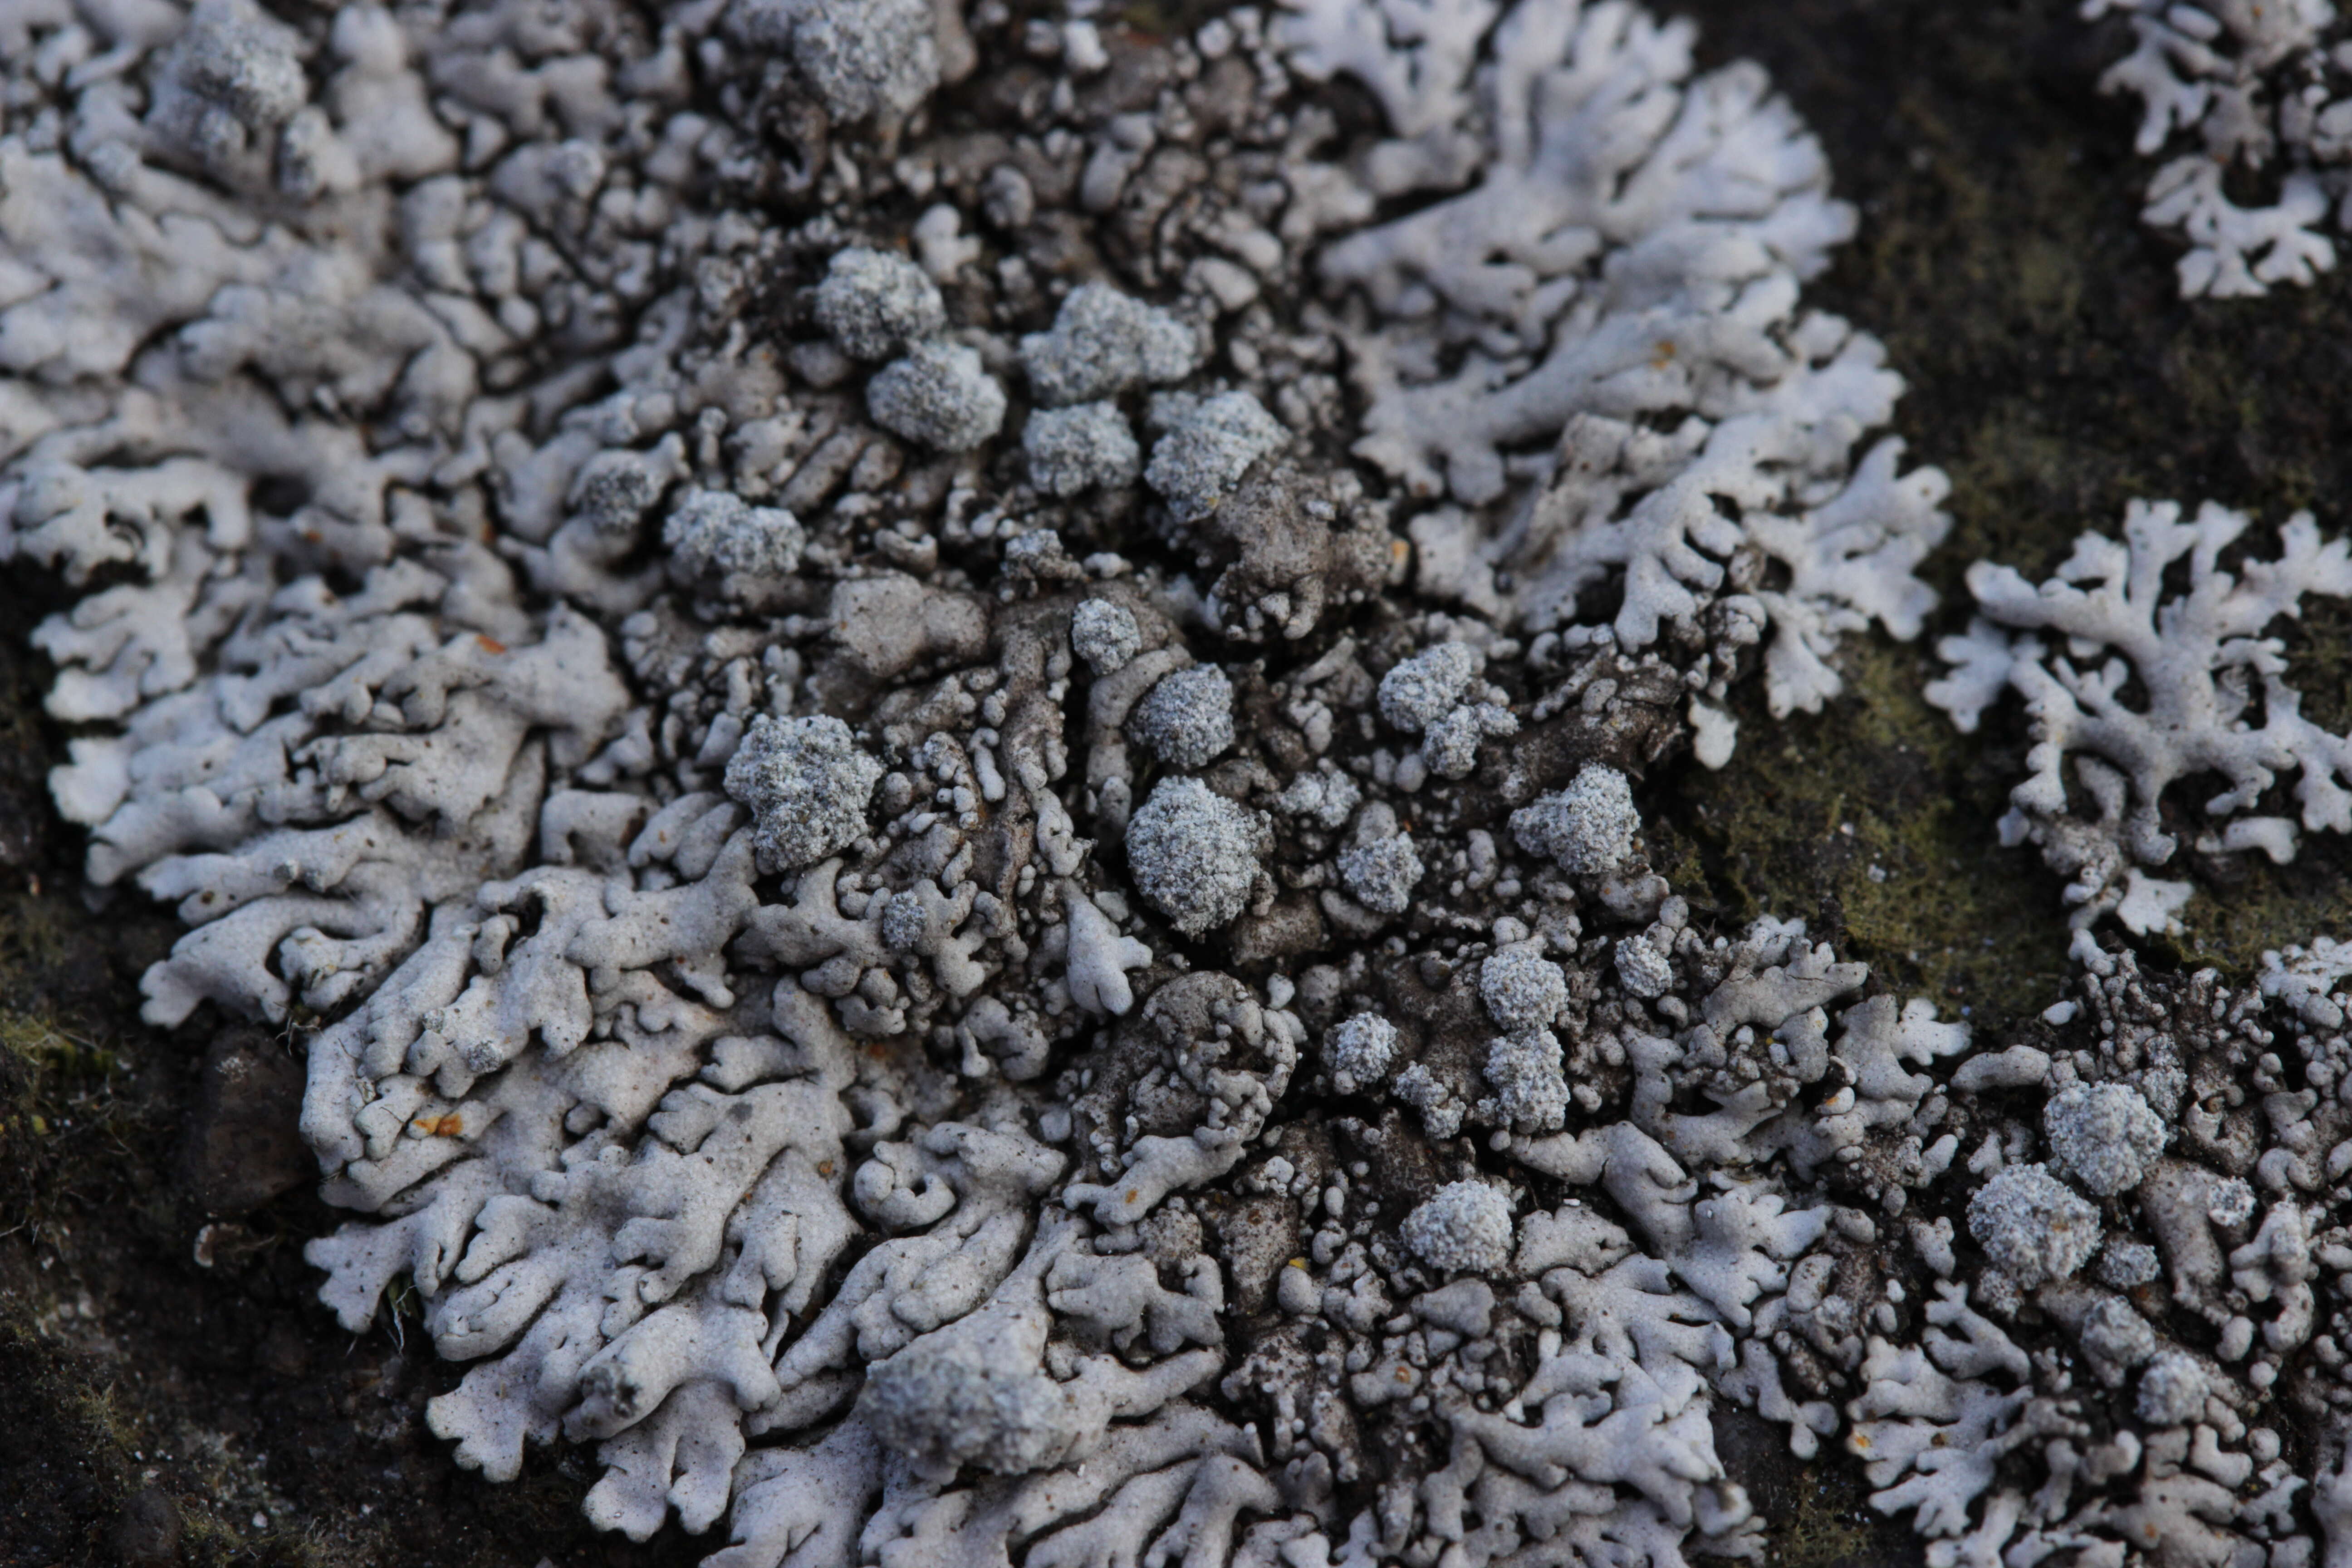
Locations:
(146, 1534)
(244, 1143)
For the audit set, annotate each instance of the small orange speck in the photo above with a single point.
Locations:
(825, 1167)
(490, 643)
(1133, 1193)
(1404, 1374)
(1861, 1443)
(446, 1126)
(1662, 355)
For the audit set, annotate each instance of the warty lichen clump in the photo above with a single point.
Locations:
(1358, 1051)
(1196, 854)
(1464, 1227)
(1187, 720)
(2104, 1135)
(806, 784)
(1105, 635)
(938, 394)
(875, 302)
(1589, 827)
(1072, 450)
(1104, 343)
(745, 553)
(2034, 1226)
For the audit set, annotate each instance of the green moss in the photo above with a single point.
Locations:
(2319, 655)
(1167, 18)
(1817, 1512)
(1874, 821)
(1824, 1524)
(2055, 374)
(61, 1450)
(50, 1050)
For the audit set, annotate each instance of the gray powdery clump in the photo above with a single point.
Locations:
(616, 489)
(1209, 443)
(875, 302)
(2128, 1264)
(1072, 450)
(1194, 854)
(2114, 1333)
(1326, 797)
(741, 551)
(2034, 1226)
(1464, 1227)
(1102, 343)
(1521, 988)
(940, 395)
(806, 784)
(1641, 968)
(2104, 1135)
(1441, 1112)
(1523, 1069)
(1187, 719)
(1423, 689)
(1357, 1050)
(904, 922)
(1381, 868)
(1588, 827)
(1105, 635)
(232, 77)
(863, 57)
(2172, 1389)
(2231, 1201)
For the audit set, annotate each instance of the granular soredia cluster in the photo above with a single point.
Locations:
(936, 725)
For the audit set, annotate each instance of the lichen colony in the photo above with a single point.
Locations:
(939, 726)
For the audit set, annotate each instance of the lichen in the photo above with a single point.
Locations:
(809, 1161)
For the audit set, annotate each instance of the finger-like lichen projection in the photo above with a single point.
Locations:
(2189, 688)
(2247, 100)
(2147, 1364)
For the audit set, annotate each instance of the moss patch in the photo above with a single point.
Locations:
(2055, 374)
(1874, 822)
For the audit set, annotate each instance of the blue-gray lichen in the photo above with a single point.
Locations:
(938, 394)
(806, 784)
(1194, 854)
(777, 1000)
(1464, 1227)
(876, 302)
(1186, 719)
